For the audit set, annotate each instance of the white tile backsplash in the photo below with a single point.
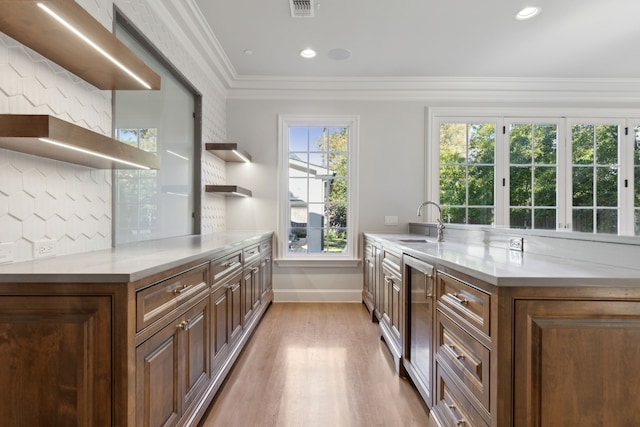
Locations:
(45, 199)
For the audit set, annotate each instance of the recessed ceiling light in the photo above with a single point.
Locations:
(527, 13)
(339, 54)
(248, 52)
(308, 53)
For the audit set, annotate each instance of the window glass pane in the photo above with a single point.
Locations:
(582, 186)
(315, 240)
(453, 143)
(298, 191)
(481, 143)
(480, 216)
(297, 239)
(298, 139)
(607, 221)
(636, 222)
(607, 145)
(607, 186)
(338, 191)
(336, 215)
(545, 219)
(582, 141)
(520, 218)
(317, 138)
(545, 186)
(453, 190)
(453, 215)
(583, 220)
(335, 240)
(481, 185)
(520, 186)
(520, 144)
(545, 144)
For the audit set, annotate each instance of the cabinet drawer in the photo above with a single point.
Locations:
(467, 359)
(251, 253)
(392, 260)
(159, 299)
(452, 408)
(265, 246)
(226, 265)
(471, 304)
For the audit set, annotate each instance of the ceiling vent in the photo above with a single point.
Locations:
(301, 8)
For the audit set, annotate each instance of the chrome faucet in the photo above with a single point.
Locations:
(441, 226)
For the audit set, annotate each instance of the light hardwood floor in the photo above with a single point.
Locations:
(311, 365)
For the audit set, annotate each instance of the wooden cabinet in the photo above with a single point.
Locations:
(576, 363)
(56, 359)
(391, 308)
(152, 352)
(251, 282)
(266, 269)
(369, 275)
(173, 364)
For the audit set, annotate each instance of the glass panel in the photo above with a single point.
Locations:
(481, 185)
(315, 240)
(318, 190)
(338, 191)
(636, 221)
(338, 140)
(298, 215)
(453, 190)
(637, 187)
(607, 186)
(319, 160)
(545, 219)
(545, 144)
(520, 186)
(453, 143)
(298, 191)
(480, 216)
(317, 137)
(520, 144)
(636, 152)
(298, 139)
(582, 137)
(335, 240)
(148, 190)
(336, 214)
(481, 143)
(607, 144)
(583, 220)
(582, 186)
(454, 215)
(545, 186)
(520, 218)
(607, 221)
(298, 240)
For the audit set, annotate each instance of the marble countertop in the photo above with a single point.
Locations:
(503, 267)
(126, 263)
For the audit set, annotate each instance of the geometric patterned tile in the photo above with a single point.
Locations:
(21, 205)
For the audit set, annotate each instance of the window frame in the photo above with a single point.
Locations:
(564, 118)
(350, 256)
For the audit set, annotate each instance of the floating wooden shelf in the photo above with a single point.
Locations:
(228, 190)
(229, 152)
(70, 143)
(26, 22)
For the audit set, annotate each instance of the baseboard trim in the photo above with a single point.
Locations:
(317, 295)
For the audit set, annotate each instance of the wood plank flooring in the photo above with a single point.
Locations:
(311, 365)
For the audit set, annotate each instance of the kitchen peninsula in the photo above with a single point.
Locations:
(517, 338)
(143, 334)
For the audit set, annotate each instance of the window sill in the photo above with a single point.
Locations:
(317, 262)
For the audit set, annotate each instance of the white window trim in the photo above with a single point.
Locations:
(350, 257)
(564, 117)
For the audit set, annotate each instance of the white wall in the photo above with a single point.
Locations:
(391, 177)
(47, 199)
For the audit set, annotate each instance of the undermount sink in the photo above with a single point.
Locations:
(414, 240)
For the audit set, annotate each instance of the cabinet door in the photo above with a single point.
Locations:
(266, 271)
(247, 297)
(235, 304)
(221, 322)
(195, 351)
(56, 360)
(576, 363)
(157, 378)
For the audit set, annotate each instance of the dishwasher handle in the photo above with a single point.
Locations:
(424, 268)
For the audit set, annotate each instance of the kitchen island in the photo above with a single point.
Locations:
(516, 338)
(143, 334)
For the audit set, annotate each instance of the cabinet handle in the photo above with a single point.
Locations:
(227, 286)
(268, 259)
(184, 325)
(181, 290)
(459, 422)
(456, 298)
(455, 353)
(229, 264)
(255, 269)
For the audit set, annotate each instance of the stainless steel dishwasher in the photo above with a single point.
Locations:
(418, 342)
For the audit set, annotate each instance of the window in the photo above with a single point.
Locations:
(580, 174)
(317, 187)
(154, 204)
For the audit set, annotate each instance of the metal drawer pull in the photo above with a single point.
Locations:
(184, 325)
(457, 299)
(255, 269)
(229, 264)
(182, 289)
(459, 422)
(455, 353)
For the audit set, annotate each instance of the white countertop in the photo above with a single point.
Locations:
(503, 267)
(126, 263)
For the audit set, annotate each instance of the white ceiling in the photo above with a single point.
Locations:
(430, 38)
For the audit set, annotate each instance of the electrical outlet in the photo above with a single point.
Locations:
(45, 248)
(516, 243)
(6, 252)
(390, 220)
